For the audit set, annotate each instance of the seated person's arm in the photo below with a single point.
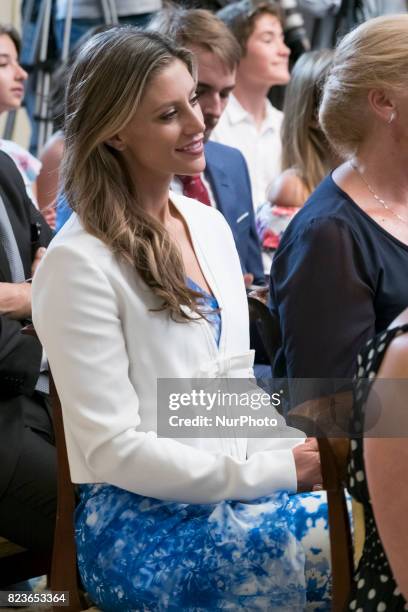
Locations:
(15, 298)
(48, 180)
(322, 291)
(20, 355)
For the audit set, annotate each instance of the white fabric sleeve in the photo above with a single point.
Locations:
(284, 437)
(76, 315)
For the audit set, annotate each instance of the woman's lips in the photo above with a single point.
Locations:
(193, 148)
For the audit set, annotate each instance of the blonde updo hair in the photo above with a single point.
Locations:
(373, 56)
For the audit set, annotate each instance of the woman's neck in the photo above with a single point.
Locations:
(153, 197)
(385, 170)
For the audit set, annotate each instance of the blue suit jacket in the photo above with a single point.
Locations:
(227, 173)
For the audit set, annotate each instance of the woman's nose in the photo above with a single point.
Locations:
(195, 122)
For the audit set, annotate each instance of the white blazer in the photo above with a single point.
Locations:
(107, 349)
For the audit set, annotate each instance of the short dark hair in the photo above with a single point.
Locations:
(198, 27)
(241, 17)
(9, 30)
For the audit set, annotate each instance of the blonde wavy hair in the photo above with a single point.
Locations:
(304, 146)
(373, 56)
(106, 85)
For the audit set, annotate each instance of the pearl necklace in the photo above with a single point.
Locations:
(375, 196)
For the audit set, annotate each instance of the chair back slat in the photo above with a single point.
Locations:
(334, 457)
(64, 575)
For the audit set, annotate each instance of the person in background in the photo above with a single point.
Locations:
(306, 155)
(12, 79)
(321, 18)
(338, 276)
(294, 29)
(225, 182)
(375, 8)
(88, 14)
(250, 122)
(327, 21)
(143, 284)
(377, 471)
(28, 469)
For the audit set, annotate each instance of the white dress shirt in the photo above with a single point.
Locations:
(108, 345)
(261, 148)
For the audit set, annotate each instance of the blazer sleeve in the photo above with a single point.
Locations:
(322, 291)
(77, 316)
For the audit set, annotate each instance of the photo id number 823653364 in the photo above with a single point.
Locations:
(29, 598)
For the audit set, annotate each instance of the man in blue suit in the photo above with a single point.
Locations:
(226, 179)
(227, 173)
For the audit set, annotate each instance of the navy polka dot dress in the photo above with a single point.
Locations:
(374, 588)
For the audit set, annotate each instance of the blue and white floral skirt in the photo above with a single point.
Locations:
(141, 554)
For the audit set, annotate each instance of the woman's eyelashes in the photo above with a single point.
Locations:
(170, 114)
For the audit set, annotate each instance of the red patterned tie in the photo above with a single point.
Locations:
(193, 187)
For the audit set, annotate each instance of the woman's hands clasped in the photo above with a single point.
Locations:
(308, 469)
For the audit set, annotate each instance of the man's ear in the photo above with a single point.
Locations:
(116, 142)
(382, 104)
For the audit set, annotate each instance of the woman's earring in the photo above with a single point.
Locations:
(392, 117)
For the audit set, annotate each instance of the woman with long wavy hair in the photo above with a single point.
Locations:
(142, 285)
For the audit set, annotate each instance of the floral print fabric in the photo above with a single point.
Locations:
(143, 554)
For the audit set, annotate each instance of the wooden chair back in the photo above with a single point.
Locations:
(64, 574)
(313, 417)
(334, 457)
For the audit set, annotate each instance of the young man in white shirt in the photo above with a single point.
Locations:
(250, 122)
